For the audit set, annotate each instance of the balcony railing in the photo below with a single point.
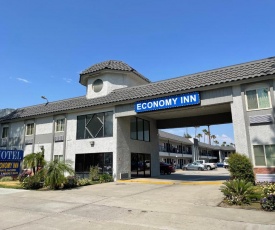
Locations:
(173, 150)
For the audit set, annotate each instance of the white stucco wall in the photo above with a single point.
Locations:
(111, 81)
(101, 145)
(44, 125)
(239, 123)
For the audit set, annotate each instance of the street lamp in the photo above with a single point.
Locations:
(43, 97)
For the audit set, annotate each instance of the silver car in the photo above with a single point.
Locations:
(194, 166)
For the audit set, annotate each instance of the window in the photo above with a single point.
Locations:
(59, 125)
(95, 125)
(258, 99)
(5, 132)
(264, 155)
(30, 129)
(59, 158)
(104, 161)
(139, 129)
(97, 85)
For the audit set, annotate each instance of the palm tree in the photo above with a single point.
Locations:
(216, 142)
(196, 130)
(204, 134)
(34, 161)
(224, 143)
(54, 173)
(187, 135)
(232, 144)
(213, 137)
(199, 136)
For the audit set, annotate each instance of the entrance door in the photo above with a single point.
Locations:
(140, 165)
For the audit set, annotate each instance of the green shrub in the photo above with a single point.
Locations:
(105, 177)
(94, 173)
(6, 178)
(240, 167)
(33, 182)
(239, 192)
(70, 182)
(268, 196)
(83, 182)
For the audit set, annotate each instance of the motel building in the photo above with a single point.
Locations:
(116, 124)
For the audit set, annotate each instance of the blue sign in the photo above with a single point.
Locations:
(11, 155)
(186, 99)
(9, 168)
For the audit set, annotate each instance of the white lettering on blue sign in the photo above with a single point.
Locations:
(11, 155)
(168, 102)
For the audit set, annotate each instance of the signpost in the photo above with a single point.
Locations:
(10, 162)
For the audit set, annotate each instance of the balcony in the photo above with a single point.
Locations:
(173, 150)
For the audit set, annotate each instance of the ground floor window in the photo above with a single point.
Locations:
(83, 162)
(264, 155)
(140, 165)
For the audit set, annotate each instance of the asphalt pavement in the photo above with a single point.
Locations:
(190, 202)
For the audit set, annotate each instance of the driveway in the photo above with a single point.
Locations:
(128, 205)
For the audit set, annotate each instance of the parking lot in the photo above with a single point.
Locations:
(166, 202)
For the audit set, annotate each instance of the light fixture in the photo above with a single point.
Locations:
(92, 143)
(43, 97)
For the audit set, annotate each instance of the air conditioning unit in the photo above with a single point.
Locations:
(28, 141)
(4, 142)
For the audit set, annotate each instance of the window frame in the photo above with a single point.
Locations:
(60, 125)
(265, 158)
(27, 129)
(84, 125)
(7, 132)
(134, 134)
(257, 96)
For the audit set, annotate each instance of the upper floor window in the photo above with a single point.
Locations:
(95, 125)
(5, 132)
(140, 129)
(59, 125)
(258, 99)
(30, 129)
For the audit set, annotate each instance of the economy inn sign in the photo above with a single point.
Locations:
(180, 100)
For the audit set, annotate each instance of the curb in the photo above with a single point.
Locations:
(172, 183)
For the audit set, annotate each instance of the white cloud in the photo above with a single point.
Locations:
(23, 80)
(68, 80)
(224, 137)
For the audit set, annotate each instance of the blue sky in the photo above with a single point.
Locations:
(46, 44)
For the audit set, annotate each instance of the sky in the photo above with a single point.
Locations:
(45, 45)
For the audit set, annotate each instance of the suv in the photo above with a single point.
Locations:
(166, 168)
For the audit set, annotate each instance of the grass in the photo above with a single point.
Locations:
(11, 184)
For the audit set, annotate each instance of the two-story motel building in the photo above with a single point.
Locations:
(115, 125)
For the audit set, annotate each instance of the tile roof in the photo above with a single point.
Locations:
(171, 136)
(250, 70)
(112, 65)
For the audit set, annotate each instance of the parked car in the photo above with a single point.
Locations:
(194, 166)
(225, 163)
(220, 164)
(208, 165)
(166, 168)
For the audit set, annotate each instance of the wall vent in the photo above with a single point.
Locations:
(124, 176)
(28, 141)
(260, 119)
